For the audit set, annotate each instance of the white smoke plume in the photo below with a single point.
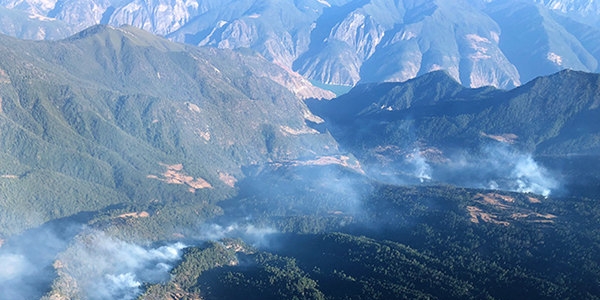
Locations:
(13, 266)
(495, 166)
(257, 236)
(104, 267)
(498, 167)
(14, 270)
(533, 178)
(26, 260)
(422, 170)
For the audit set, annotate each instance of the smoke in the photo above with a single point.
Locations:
(13, 266)
(287, 191)
(14, 270)
(395, 165)
(89, 264)
(422, 170)
(532, 178)
(107, 268)
(498, 166)
(26, 260)
(494, 166)
(256, 236)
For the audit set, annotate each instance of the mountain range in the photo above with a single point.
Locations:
(187, 149)
(342, 42)
(551, 115)
(119, 120)
(537, 137)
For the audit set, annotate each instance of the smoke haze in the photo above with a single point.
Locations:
(500, 167)
(254, 235)
(495, 166)
(26, 259)
(107, 268)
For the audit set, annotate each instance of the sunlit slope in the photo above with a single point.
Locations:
(119, 116)
(343, 42)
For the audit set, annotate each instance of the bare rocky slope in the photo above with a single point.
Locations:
(479, 43)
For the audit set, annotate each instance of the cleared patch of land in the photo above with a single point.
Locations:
(175, 175)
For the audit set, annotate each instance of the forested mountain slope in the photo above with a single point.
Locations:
(117, 116)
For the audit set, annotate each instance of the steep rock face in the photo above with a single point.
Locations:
(80, 14)
(158, 16)
(536, 42)
(479, 43)
(280, 31)
(462, 41)
(338, 49)
(583, 10)
(32, 27)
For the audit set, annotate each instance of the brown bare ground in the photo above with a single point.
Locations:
(478, 214)
(343, 160)
(494, 199)
(541, 218)
(178, 235)
(193, 107)
(292, 131)
(203, 134)
(227, 179)
(547, 216)
(508, 138)
(142, 214)
(175, 175)
(58, 264)
(504, 202)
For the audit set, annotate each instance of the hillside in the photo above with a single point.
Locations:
(543, 116)
(133, 167)
(117, 117)
(433, 128)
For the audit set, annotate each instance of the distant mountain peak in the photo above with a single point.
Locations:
(440, 76)
(128, 33)
(479, 42)
(92, 30)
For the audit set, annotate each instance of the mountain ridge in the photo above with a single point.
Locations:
(344, 43)
(535, 137)
(389, 100)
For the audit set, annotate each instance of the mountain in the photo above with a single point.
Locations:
(26, 26)
(542, 115)
(343, 42)
(117, 118)
(132, 166)
(135, 167)
(549, 42)
(585, 11)
(537, 137)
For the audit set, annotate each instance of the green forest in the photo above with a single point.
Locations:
(418, 242)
